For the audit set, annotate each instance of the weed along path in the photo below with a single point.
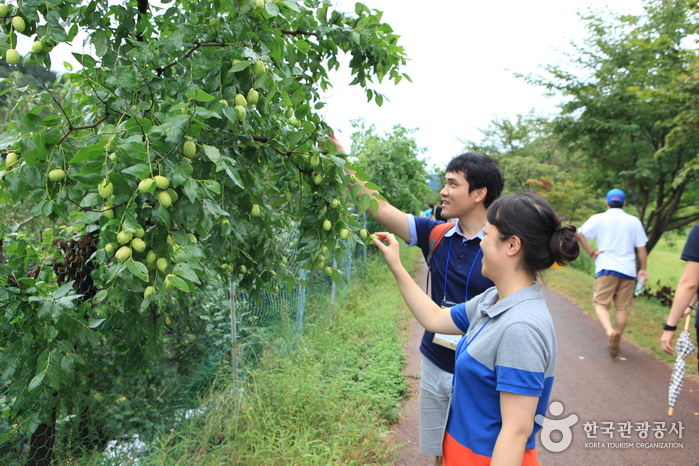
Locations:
(608, 411)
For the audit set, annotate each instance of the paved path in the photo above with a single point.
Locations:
(597, 389)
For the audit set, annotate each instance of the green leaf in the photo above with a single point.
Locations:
(36, 381)
(94, 323)
(364, 203)
(200, 96)
(179, 283)
(139, 269)
(88, 153)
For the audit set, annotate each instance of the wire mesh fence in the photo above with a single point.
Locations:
(128, 386)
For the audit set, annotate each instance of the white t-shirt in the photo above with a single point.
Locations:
(617, 234)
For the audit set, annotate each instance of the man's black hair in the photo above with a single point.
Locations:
(481, 172)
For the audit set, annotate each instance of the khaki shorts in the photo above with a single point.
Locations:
(609, 287)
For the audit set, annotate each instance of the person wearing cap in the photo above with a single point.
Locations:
(620, 236)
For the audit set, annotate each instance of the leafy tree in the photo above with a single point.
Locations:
(188, 140)
(532, 158)
(391, 161)
(622, 105)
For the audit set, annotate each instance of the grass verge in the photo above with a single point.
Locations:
(644, 324)
(330, 397)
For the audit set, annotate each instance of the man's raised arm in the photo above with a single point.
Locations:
(396, 221)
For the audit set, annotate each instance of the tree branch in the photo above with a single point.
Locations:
(297, 32)
(161, 69)
(72, 128)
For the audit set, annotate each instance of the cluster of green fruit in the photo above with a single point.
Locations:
(166, 196)
(19, 25)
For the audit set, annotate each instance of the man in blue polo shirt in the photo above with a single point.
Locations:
(472, 182)
(619, 237)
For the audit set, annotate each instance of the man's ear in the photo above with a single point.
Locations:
(480, 194)
(514, 245)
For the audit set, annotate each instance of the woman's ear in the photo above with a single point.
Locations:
(514, 245)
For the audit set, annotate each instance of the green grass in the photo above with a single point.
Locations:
(328, 398)
(643, 327)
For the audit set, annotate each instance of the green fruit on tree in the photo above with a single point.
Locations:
(328, 271)
(161, 182)
(243, 269)
(37, 46)
(105, 188)
(189, 149)
(113, 157)
(335, 203)
(258, 67)
(363, 234)
(10, 159)
(255, 211)
(373, 237)
(239, 99)
(214, 22)
(165, 199)
(124, 237)
(138, 244)
(192, 238)
(57, 174)
(145, 185)
(240, 112)
(123, 253)
(318, 179)
(259, 4)
(19, 24)
(327, 225)
(294, 122)
(12, 56)
(168, 283)
(139, 233)
(224, 102)
(3, 9)
(173, 195)
(253, 96)
(109, 213)
(289, 112)
(151, 257)
(109, 249)
(344, 234)
(161, 263)
(148, 291)
(285, 261)
(315, 161)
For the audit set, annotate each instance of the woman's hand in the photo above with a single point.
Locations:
(390, 251)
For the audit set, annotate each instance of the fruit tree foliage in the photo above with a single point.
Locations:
(189, 137)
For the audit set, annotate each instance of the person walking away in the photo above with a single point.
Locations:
(472, 183)
(620, 236)
(505, 364)
(686, 292)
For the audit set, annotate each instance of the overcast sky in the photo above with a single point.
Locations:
(463, 57)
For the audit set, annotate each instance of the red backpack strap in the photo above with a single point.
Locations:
(436, 235)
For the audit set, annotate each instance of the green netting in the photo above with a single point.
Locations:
(122, 398)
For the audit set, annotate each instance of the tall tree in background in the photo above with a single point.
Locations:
(621, 105)
(533, 159)
(392, 162)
